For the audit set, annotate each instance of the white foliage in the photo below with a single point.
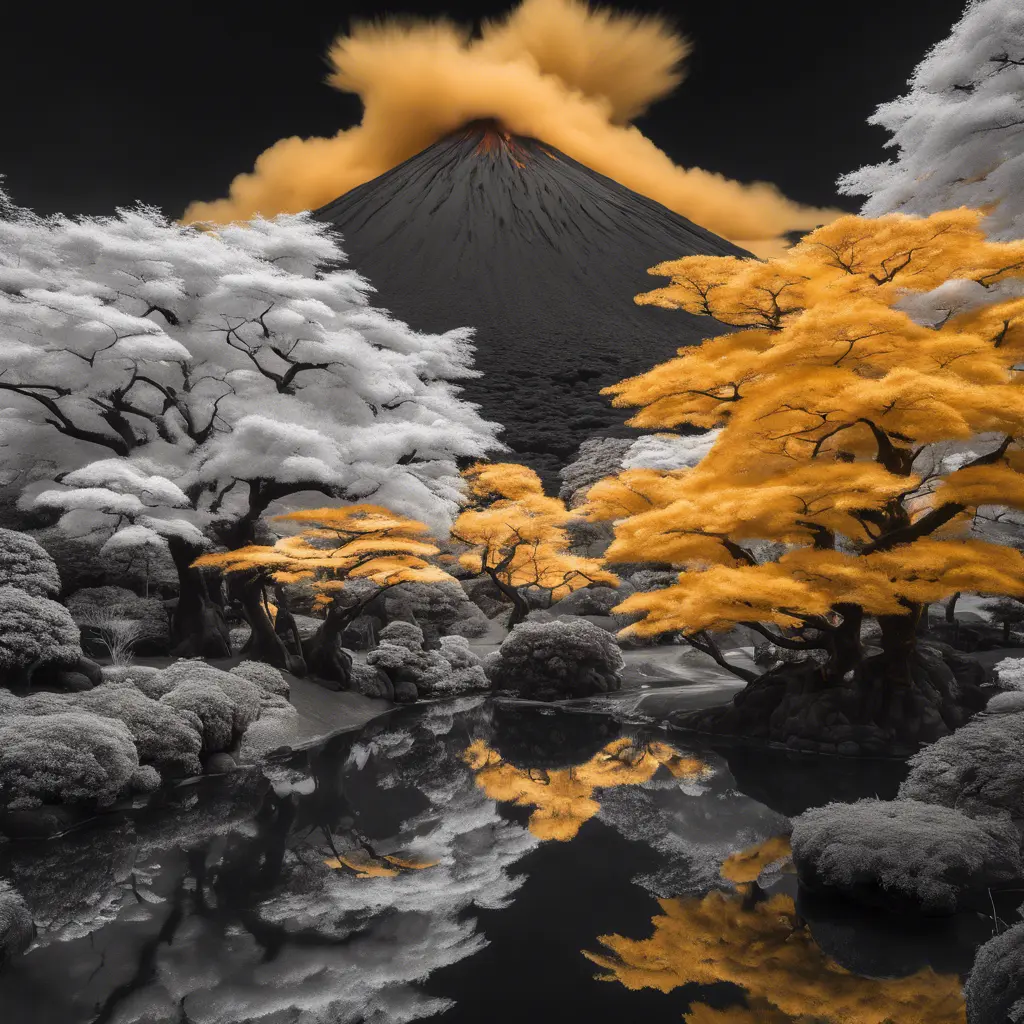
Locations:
(174, 364)
(958, 132)
(669, 451)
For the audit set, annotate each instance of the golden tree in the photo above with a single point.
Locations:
(858, 442)
(757, 941)
(353, 542)
(517, 536)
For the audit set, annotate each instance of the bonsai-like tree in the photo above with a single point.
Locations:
(857, 444)
(356, 542)
(1007, 611)
(516, 535)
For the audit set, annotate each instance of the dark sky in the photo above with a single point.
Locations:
(111, 102)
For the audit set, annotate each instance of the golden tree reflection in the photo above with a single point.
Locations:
(758, 942)
(564, 797)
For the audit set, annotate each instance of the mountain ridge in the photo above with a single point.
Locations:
(541, 255)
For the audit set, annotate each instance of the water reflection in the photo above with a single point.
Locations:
(455, 858)
(756, 940)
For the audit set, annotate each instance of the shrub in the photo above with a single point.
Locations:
(80, 563)
(596, 458)
(73, 757)
(979, 769)
(995, 988)
(593, 600)
(903, 853)
(466, 671)
(371, 681)
(266, 677)
(16, 928)
(26, 565)
(119, 620)
(440, 609)
(426, 670)
(34, 631)
(211, 706)
(402, 634)
(162, 737)
(564, 658)
(1009, 674)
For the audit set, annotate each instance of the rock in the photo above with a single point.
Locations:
(72, 682)
(848, 748)
(406, 692)
(219, 764)
(89, 669)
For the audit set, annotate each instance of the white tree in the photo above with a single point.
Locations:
(195, 379)
(959, 131)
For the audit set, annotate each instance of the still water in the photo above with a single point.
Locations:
(481, 860)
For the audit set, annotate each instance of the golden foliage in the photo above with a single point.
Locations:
(747, 865)
(388, 866)
(564, 797)
(826, 396)
(759, 943)
(520, 534)
(353, 541)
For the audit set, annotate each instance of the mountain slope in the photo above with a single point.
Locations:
(543, 257)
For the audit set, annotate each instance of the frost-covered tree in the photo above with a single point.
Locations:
(958, 132)
(186, 381)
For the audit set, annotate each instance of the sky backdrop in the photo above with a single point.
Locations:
(166, 103)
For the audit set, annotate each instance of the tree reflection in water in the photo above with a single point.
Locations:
(427, 863)
(757, 941)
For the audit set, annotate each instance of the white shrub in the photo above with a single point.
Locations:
(266, 677)
(211, 706)
(35, 630)
(979, 769)
(564, 658)
(163, 738)
(73, 757)
(904, 851)
(995, 988)
(25, 564)
(1009, 674)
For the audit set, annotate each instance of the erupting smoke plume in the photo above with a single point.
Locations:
(552, 69)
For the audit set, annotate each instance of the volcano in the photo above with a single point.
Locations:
(543, 257)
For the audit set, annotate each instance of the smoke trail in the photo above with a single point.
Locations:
(552, 69)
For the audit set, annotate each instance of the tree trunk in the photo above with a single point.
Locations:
(198, 626)
(951, 607)
(1006, 633)
(520, 607)
(265, 644)
(899, 641)
(325, 657)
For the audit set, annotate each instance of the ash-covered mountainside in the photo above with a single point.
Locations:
(543, 257)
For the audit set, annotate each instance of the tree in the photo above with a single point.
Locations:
(184, 382)
(1005, 610)
(822, 500)
(357, 542)
(958, 131)
(517, 537)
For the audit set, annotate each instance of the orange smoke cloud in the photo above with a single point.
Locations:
(552, 69)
